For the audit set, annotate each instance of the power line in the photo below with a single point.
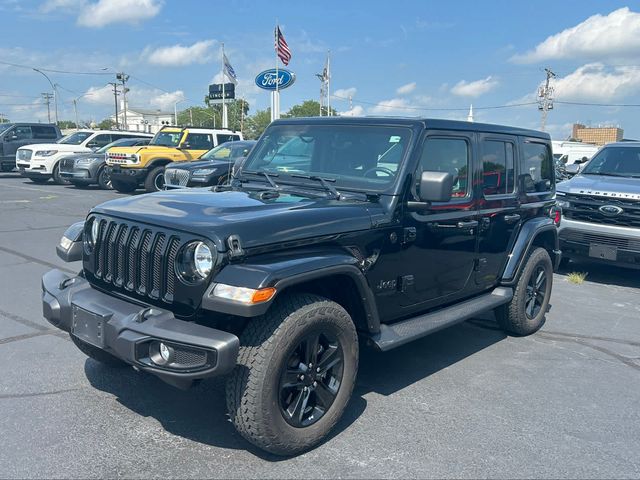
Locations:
(588, 104)
(51, 70)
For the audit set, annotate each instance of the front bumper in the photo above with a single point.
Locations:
(128, 175)
(129, 331)
(601, 243)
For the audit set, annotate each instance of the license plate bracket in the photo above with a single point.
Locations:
(603, 252)
(88, 326)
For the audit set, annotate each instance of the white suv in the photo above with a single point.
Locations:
(40, 162)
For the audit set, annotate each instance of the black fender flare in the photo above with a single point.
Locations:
(527, 235)
(282, 273)
(157, 162)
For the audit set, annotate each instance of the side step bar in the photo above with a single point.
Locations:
(396, 334)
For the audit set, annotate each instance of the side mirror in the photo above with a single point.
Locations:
(184, 146)
(436, 186)
(572, 169)
(92, 145)
(12, 137)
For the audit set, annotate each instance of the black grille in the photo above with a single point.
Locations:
(139, 260)
(585, 208)
(187, 358)
(586, 238)
(67, 163)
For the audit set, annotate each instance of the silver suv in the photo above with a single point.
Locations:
(601, 208)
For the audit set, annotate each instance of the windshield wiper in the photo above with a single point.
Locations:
(265, 175)
(323, 181)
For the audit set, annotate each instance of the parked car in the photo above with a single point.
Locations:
(215, 167)
(16, 135)
(601, 208)
(86, 169)
(361, 231)
(570, 152)
(132, 167)
(41, 162)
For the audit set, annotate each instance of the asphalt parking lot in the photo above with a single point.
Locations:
(465, 402)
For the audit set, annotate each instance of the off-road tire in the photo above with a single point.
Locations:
(253, 388)
(512, 317)
(123, 187)
(57, 179)
(150, 183)
(39, 180)
(98, 355)
(104, 180)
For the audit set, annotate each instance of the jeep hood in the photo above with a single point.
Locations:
(604, 186)
(256, 221)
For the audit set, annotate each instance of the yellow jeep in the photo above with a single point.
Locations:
(131, 167)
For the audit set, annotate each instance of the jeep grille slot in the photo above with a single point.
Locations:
(138, 260)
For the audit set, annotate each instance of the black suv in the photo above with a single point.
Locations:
(334, 229)
(16, 135)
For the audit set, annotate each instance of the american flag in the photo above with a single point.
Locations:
(282, 48)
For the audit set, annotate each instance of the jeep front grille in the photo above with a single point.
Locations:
(176, 176)
(137, 259)
(586, 208)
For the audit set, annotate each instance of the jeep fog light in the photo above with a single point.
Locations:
(245, 295)
(166, 352)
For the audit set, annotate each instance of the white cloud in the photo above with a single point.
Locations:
(166, 100)
(393, 106)
(599, 37)
(181, 55)
(596, 83)
(98, 95)
(344, 93)
(137, 97)
(475, 88)
(356, 111)
(408, 88)
(105, 12)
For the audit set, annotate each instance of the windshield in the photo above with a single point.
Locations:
(167, 139)
(359, 157)
(75, 138)
(226, 152)
(615, 161)
(4, 126)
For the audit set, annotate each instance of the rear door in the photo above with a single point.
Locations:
(499, 211)
(198, 145)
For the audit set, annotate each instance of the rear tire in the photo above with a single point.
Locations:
(98, 355)
(104, 179)
(123, 187)
(525, 313)
(155, 180)
(56, 176)
(275, 399)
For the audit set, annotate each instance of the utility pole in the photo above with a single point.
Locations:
(47, 98)
(545, 97)
(55, 92)
(115, 98)
(123, 77)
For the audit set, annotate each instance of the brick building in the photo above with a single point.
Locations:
(596, 135)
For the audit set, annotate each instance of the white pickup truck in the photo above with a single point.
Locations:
(40, 162)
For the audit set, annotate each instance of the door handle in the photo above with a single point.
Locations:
(513, 218)
(469, 224)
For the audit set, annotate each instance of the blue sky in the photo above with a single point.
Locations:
(413, 58)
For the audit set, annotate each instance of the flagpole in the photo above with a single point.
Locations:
(276, 96)
(328, 83)
(225, 121)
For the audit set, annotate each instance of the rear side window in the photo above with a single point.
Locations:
(200, 141)
(227, 138)
(44, 132)
(100, 140)
(497, 167)
(538, 170)
(447, 155)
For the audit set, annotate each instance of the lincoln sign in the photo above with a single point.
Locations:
(267, 79)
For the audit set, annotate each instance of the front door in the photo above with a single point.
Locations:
(440, 251)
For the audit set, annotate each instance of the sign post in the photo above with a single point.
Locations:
(274, 80)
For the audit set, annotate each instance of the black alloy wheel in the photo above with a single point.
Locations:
(311, 380)
(536, 292)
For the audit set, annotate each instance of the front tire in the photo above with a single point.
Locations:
(56, 176)
(104, 179)
(525, 313)
(295, 374)
(155, 180)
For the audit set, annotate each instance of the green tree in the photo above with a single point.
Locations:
(64, 124)
(106, 124)
(211, 115)
(308, 108)
(256, 124)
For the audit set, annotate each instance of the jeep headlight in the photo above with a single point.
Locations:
(45, 153)
(196, 261)
(135, 158)
(203, 172)
(91, 232)
(561, 201)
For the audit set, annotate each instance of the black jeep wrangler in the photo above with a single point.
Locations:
(335, 230)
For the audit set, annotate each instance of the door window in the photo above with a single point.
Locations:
(44, 132)
(538, 169)
(497, 167)
(227, 138)
(100, 140)
(23, 133)
(200, 141)
(450, 155)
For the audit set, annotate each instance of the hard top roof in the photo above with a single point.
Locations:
(428, 123)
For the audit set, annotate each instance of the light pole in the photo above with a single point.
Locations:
(55, 92)
(175, 110)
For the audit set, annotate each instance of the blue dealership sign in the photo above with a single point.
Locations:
(267, 79)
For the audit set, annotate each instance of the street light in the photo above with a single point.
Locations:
(55, 91)
(175, 110)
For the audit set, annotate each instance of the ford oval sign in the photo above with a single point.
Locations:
(267, 79)
(611, 210)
